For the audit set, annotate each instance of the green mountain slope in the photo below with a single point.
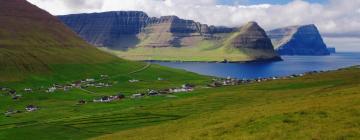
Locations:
(36, 49)
(31, 40)
(249, 43)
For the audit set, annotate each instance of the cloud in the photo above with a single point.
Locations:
(335, 19)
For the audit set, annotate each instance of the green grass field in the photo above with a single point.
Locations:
(321, 106)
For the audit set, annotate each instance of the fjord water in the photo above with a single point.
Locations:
(290, 65)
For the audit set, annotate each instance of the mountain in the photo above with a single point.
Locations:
(298, 40)
(31, 39)
(253, 37)
(134, 35)
(124, 29)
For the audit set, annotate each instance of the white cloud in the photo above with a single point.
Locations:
(338, 17)
(344, 44)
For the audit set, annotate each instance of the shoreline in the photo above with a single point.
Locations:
(275, 59)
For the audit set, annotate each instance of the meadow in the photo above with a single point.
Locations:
(318, 106)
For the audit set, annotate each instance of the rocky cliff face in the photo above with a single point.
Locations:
(140, 37)
(124, 29)
(252, 38)
(298, 40)
(109, 28)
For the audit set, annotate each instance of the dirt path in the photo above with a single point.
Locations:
(143, 68)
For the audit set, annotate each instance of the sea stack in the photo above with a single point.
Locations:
(298, 40)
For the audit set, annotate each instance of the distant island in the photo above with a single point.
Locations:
(298, 40)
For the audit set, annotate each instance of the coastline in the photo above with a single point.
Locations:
(274, 59)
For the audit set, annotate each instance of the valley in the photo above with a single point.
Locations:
(74, 77)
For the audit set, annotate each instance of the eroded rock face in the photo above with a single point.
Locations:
(125, 29)
(132, 30)
(252, 36)
(109, 28)
(298, 40)
(252, 39)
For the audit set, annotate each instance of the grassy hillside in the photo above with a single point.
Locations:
(203, 51)
(31, 40)
(321, 106)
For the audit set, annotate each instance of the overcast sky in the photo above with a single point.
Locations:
(338, 20)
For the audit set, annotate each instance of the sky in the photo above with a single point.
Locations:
(337, 20)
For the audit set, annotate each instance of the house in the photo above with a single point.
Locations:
(3, 89)
(16, 97)
(139, 95)
(152, 92)
(104, 99)
(11, 92)
(184, 88)
(133, 81)
(81, 102)
(51, 90)
(90, 80)
(31, 108)
(28, 90)
(121, 96)
(104, 76)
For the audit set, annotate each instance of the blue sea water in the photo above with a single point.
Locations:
(290, 65)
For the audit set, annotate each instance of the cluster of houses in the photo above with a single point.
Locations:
(10, 92)
(106, 99)
(85, 83)
(28, 108)
(184, 88)
(218, 82)
(150, 92)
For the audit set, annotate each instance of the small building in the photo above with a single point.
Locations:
(152, 92)
(28, 90)
(31, 108)
(104, 99)
(90, 80)
(81, 102)
(51, 90)
(16, 97)
(104, 76)
(133, 81)
(139, 95)
(121, 96)
(11, 92)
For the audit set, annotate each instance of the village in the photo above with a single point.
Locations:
(98, 83)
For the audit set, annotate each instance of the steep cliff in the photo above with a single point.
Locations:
(134, 35)
(252, 40)
(127, 29)
(111, 29)
(298, 40)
